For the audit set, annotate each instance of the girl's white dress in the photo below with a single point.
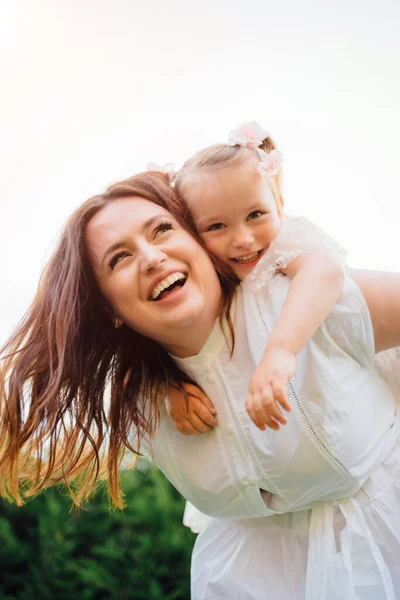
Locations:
(311, 512)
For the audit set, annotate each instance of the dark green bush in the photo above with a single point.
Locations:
(50, 552)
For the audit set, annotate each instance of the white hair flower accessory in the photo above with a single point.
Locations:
(270, 163)
(249, 135)
(167, 169)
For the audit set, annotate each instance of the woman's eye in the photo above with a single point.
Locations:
(215, 227)
(255, 215)
(116, 259)
(162, 227)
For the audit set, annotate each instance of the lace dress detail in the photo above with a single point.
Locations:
(296, 237)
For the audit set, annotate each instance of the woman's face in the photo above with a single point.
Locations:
(153, 273)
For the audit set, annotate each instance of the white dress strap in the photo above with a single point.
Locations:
(320, 553)
(362, 564)
(369, 557)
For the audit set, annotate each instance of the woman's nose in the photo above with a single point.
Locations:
(243, 238)
(150, 258)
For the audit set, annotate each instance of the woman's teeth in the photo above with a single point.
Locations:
(247, 258)
(166, 283)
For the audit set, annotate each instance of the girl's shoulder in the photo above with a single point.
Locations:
(297, 236)
(303, 235)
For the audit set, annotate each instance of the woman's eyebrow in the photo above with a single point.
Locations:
(110, 250)
(122, 243)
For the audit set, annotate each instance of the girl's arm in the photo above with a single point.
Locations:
(381, 291)
(317, 283)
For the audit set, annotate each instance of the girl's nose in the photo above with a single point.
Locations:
(243, 238)
(150, 258)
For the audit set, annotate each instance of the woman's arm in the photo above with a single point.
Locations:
(381, 291)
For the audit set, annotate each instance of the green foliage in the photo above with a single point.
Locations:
(49, 551)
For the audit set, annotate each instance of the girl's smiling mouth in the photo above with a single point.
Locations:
(248, 259)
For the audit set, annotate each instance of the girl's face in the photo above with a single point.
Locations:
(236, 215)
(153, 273)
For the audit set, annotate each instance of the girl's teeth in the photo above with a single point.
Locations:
(248, 258)
(165, 283)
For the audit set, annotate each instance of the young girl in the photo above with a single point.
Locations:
(233, 191)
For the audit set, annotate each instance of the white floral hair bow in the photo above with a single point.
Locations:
(270, 163)
(167, 169)
(251, 135)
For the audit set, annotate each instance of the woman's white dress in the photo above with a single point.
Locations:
(311, 512)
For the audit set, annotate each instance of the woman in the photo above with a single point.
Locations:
(328, 483)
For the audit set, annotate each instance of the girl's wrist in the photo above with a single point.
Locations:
(279, 346)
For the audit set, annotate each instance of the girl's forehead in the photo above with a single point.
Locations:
(221, 190)
(237, 176)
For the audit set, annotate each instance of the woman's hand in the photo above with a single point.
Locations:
(193, 415)
(267, 388)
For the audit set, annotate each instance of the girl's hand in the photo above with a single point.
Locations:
(196, 415)
(267, 388)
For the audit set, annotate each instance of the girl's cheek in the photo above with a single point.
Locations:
(213, 246)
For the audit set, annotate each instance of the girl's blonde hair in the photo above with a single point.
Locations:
(221, 156)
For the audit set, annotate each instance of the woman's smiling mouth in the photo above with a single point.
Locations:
(167, 285)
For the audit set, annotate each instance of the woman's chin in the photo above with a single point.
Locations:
(180, 311)
(187, 315)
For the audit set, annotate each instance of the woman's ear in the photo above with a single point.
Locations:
(118, 323)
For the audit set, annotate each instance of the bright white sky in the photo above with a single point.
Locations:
(93, 90)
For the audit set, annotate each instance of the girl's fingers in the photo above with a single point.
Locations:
(205, 400)
(204, 414)
(197, 395)
(270, 407)
(195, 425)
(263, 410)
(257, 412)
(186, 427)
(281, 397)
(274, 424)
(258, 422)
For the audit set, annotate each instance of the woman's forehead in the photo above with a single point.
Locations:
(121, 213)
(119, 219)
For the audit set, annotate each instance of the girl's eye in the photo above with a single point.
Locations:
(162, 227)
(116, 258)
(255, 215)
(215, 227)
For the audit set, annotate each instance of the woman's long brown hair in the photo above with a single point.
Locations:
(75, 392)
